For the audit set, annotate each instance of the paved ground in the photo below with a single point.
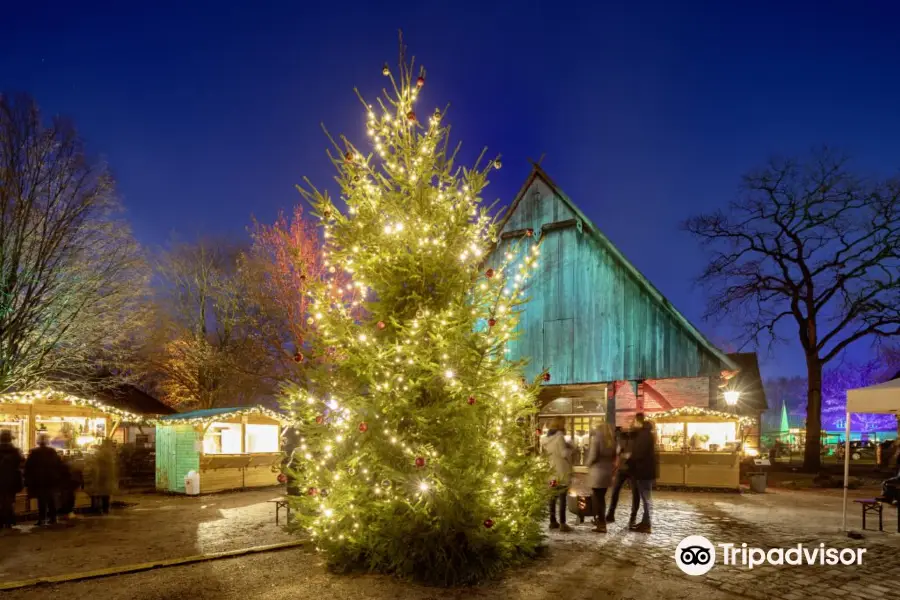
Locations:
(580, 564)
(153, 527)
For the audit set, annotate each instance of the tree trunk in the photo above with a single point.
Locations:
(812, 455)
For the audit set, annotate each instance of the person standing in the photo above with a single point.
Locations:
(42, 473)
(70, 482)
(10, 479)
(101, 478)
(601, 458)
(643, 464)
(559, 453)
(623, 450)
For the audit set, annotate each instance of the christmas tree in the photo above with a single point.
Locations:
(417, 453)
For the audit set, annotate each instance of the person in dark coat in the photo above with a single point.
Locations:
(623, 444)
(10, 479)
(643, 466)
(42, 478)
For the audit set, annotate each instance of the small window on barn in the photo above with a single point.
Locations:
(262, 438)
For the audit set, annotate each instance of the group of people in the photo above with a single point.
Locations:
(614, 457)
(52, 480)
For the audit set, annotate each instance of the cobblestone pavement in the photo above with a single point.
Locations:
(582, 564)
(775, 520)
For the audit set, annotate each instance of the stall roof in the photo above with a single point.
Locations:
(210, 414)
(133, 400)
(125, 401)
(880, 398)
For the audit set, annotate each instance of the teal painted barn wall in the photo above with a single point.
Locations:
(589, 319)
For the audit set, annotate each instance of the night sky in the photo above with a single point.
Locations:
(646, 113)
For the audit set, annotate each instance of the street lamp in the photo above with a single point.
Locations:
(731, 397)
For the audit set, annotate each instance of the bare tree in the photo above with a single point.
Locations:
(209, 346)
(813, 245)
(72, 277)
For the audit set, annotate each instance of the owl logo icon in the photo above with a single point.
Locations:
(695, 555)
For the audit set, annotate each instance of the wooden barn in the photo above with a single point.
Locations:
(614, 345)
(223, 449)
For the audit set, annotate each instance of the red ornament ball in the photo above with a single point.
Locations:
(489, 273)
(363, 427)
(420, 81)
(546, 376)
(411, 115)
(529, 232)
(381, 325)
(538, 431)
(488, 523)
(471, 400)
(348, 157)
(312, 492)
(282, 478)
(298, 357)
(554, 483)
(492, 322)
(420, 462)
(319, 419)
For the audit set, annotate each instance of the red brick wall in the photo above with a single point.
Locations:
(660, 395)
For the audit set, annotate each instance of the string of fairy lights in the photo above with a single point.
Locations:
(50, 396)
(339, 434)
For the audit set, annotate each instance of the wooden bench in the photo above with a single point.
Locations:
(871, 505)
(279, 504)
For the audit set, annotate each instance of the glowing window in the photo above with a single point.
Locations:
(262, 438)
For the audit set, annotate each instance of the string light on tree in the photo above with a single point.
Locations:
(394, 421)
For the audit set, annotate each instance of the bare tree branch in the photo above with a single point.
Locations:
(72, 278)
(813, 242)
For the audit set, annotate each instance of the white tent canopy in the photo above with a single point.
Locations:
(881, 398)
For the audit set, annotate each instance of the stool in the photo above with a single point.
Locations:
(874, 506)
(279, 504)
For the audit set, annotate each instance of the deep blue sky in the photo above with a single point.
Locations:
(647, 111)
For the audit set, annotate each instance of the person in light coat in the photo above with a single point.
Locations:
(559, 454)
(601, 465)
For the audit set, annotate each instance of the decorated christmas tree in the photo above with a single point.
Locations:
(417, 453)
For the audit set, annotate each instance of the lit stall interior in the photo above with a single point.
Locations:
(701, 448)
(581, 415)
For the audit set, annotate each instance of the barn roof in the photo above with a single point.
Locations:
(748, 381)
(538, 173)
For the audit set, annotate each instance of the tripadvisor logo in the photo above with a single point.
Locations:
(696, 555)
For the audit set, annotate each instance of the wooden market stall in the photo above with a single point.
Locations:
(72, 424)
(700, 447)
(222, 448)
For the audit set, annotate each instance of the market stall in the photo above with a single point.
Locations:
(72, 425)
(218, 449)
(581, 407)
(700, 447)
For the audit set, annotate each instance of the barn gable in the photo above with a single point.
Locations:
(592, 316)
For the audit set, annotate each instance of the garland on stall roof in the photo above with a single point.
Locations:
(698, 411)
(203, 420)
(32, 396)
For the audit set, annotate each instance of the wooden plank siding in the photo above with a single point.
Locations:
(591, 317)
